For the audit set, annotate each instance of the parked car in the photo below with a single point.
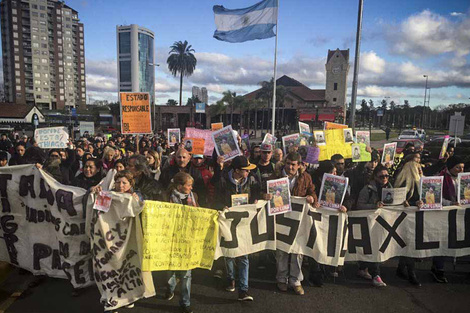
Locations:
(434, 146)
(401, 144)
(409, 134)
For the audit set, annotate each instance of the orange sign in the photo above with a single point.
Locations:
(216, 126)
(330, 125)
(194, 145)
(135, 113)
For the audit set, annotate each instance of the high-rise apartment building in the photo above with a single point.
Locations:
(136, 67)
(43, 54)
(200, 93)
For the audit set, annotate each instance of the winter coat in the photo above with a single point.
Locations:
(369, 196)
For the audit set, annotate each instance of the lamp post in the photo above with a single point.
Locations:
(153, 104)
(424, 103)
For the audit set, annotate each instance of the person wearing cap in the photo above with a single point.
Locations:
(238, 180)
(265, 168)
(289, 265)
(454, 166)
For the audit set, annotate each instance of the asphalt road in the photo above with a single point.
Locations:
(346, 294)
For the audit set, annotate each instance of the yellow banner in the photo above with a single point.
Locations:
(178, 237)
(335, 144)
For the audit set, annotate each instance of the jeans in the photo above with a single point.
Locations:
(185, 278)
(289, 268)
(243, 268)
(374, 268)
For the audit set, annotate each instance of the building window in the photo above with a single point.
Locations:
(334, 99)
(18, 88)
(125, 42)
(125, 71)
(336, 86)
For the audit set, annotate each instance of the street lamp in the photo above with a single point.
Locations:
(424, 103)
(154, 105)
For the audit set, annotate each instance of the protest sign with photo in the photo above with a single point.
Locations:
(174, 136)
(309, 154)
(304, 127)
(194, 145)
(225, 143)
(52, 137)
(216, 126)
(335, 145)
(269, 139)
(245, 142)
(431, 192)
(363, 136)
(290, 141)
(178, 237)
(394, 196)
(240, 199)
(205, 134)
(445, 144)
(360, 153)
(135, 113)
(102, 201)
(388, 154)
(319, 137)
(332, 191)
(348, 136)
(280, 201)
(306, 139)
(463, 192)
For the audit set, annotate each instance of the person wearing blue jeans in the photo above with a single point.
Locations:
(185, 278)
(243, 269)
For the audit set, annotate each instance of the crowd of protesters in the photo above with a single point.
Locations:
(153, 170)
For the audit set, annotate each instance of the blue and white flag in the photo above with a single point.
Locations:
(240, 25)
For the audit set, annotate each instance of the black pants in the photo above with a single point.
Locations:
(406, 262)
(374, 268)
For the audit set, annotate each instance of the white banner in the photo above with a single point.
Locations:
(51, 137)
(332, 238)
(43, 225)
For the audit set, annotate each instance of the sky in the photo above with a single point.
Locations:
(402, 40)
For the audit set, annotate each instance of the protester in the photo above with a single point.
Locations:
(18, 158)
(369, 199)
(5, 143)
(120, 165)
(3, 158)
(198, 162)
(180, 191)
(238, 180)
(145, 185)
(361, 175)
(265, 168)
(289, 266)
(108, 158)
(277, 155)
(255, 154)
(153, 158)
(91, 176)
(339, 163)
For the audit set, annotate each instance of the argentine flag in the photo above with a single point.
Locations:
(240, 25)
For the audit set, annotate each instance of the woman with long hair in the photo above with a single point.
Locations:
(409, 178)
(180, 191)
(108, 158)
(154, 163)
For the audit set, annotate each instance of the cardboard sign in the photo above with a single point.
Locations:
(332, 191)
(289, 142)
(319, 137)
(431, 192)
(394, 196)
(194, 145)
(445, 144)
(216, 126)
(388, 154)
(280, 201)
(304, 127)
(463, 192)
(135, 113)
(174, 136)
(102, 202)
(330, 125)
(52, 137)
(226, 144)
(239, 199)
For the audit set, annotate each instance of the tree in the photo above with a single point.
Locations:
(181, 61)
(364, 110)
(266, 94)
(192, 101)
(172, 102)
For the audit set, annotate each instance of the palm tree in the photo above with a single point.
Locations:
(181, 61)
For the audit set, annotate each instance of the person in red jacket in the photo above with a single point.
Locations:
(198, 162)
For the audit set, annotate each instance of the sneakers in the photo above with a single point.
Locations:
(231, 286)
(130, 306)
(186, 309)
(218, 274)
(377, 282)
(438, 276)
(364, 274)
(244, 296)
(299, 290)
(282, 287)
(169, 295)
(413, 279)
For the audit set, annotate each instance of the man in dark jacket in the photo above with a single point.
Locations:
(182, 164)
(360, 176)
(148, 187)
(238, 180)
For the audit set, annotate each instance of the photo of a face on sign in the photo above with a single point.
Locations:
(348, 138)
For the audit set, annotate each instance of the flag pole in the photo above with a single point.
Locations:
(352, 119)
(275, 65)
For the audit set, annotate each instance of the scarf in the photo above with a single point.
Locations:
(238, 185)
(179, 197)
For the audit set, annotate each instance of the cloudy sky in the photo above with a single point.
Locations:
(402, 40)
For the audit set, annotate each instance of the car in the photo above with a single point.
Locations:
(401, 144)
(409, 134)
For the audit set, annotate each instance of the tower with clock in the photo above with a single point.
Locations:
(337, 69)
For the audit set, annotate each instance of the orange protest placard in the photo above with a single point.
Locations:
(216, 126)
(330, 125)
(135, 113)
(194, 145)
